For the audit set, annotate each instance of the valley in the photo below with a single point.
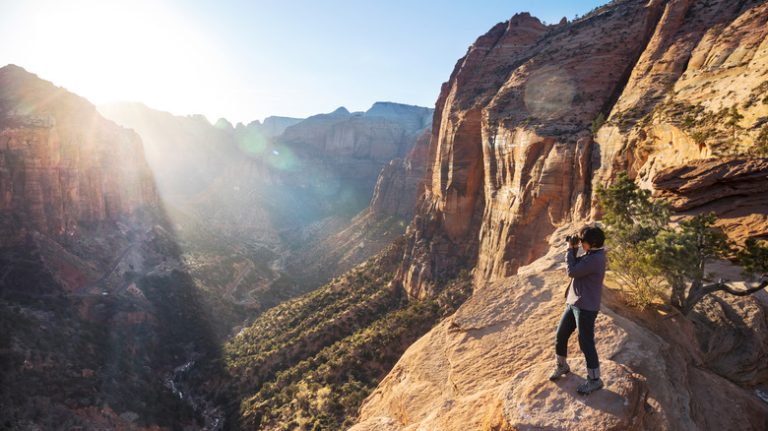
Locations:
(402, 268)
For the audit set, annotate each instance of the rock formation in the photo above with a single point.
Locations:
(336, 247)
(400, 181)
(355, 146)
(531, 121)
(735, 189)
(275, 125)
(513, 155)
(96, 306)
(61, 163)
(486, 368)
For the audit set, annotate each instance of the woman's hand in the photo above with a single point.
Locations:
(574, 242)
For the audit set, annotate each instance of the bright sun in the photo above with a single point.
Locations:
(108, 51)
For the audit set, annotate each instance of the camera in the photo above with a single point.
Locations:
(572, 239)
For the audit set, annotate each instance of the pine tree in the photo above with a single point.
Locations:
(646, 248)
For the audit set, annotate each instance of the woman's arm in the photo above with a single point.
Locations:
(579, 267)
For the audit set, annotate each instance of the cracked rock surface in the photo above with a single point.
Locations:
(486, 367)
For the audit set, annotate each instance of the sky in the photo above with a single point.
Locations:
(245, 60)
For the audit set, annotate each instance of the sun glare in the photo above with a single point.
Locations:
(109, 51)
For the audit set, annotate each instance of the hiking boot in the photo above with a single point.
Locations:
(590, 386)
(593, 382)
(561, 369)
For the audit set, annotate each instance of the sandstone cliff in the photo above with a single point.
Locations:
(337, 247)
(518, 145)
(61, 163)
(275, 125)
(96, 306)
(512, 153)
(351, 148)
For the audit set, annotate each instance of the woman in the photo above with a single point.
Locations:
(582, 305)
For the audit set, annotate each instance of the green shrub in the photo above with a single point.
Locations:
(597, 123)
(646, 249)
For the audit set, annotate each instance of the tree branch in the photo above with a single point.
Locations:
(696, 293)
(722, 285)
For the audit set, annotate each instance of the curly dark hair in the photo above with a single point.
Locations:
(593, 235)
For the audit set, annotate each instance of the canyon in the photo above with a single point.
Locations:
(107, 237)
(396, 269)
(283, 194)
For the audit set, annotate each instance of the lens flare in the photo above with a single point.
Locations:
(252, 143)
(283, 158)
(549, 93)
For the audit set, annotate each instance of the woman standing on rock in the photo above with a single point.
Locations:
(582, 304)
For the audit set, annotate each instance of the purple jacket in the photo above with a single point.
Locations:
(587, 273)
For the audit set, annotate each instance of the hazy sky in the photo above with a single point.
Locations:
(245, 60)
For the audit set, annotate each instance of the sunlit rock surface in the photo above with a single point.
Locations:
(516, 153)
(487, 366)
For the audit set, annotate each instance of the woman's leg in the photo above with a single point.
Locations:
(565, 328)
(585, 321)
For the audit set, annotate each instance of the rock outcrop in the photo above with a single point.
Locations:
(486, 368)
(698, 90)
(61, 163)
(735, 189)
(531, 121)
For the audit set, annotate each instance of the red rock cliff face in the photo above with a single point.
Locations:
(699, 91)
(512, 153)
(512, 165)
(511, 150)
(399, 181)
(61, 163)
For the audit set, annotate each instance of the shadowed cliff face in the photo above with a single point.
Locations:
(512, 153)
(97, 308)
(62, 163)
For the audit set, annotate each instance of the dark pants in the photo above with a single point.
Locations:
(584, 320)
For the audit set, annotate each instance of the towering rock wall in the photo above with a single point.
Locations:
(399, 181)
(513, 154)
(353, 147)
(97, 307)
(61, 163)
(699, 90)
